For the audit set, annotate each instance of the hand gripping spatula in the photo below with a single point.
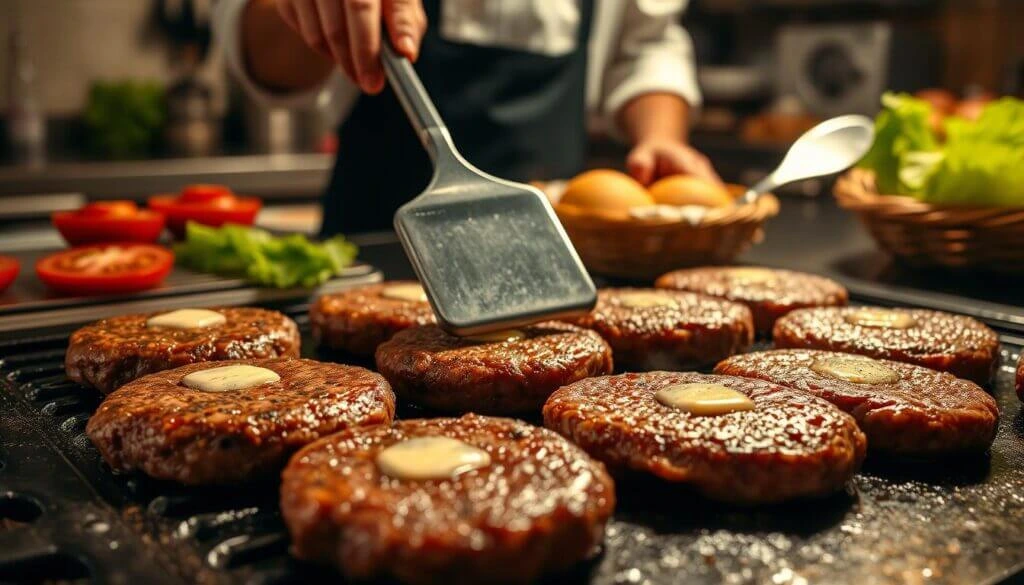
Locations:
(490, 253)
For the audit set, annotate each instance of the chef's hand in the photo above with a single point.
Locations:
(657, 125)
(349, 32)
(659, 157)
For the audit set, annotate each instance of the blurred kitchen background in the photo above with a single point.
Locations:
(126, 98)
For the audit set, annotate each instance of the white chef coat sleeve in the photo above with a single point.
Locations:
(654, 54)
(227, 16)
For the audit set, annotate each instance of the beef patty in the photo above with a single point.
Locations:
(538, 504)
(360, 319)
(674, 330)
(769, 293)
(511, 372)
(168, 430)
(786, 444)
(902, 408)
(112, 352)
(950, 343)
(1020, 376)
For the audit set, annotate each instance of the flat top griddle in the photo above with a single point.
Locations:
(65, 517)
(27, 304)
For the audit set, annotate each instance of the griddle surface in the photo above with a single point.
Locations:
(921, 521)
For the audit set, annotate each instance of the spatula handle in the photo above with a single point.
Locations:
(415, 100)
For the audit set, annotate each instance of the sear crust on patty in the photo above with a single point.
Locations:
(691, 332)
(540, 506)
(431, 368)
(169, 431)
(768, 293)
(1020, 376)
(360, 319)
(924, 412)
(960, 345)
(790, 445)
(115, 351)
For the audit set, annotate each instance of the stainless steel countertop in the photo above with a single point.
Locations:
(268, 175)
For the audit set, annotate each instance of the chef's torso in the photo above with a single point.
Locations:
(508, 78)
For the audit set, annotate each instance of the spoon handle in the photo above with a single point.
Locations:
(765, 185)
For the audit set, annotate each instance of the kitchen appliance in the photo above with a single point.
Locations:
(839, 69)
(490, 253)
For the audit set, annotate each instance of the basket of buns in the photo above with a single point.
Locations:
(622, 229)
(943, 192)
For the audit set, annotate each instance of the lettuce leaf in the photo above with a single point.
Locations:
(256, 255)
(901, 128)
(983, 174)
(979, 163)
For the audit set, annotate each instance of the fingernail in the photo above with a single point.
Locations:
(371, 82)
(407, 46)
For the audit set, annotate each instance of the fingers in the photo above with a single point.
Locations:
(406, 22)
(363, 19)
(648, 162)
(287, 12)
(698, 165)
(641, 164)
(310, 27)
(335, 30)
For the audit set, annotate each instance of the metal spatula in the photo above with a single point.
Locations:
(490, 253)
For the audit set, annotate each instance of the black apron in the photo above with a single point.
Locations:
(514, 114)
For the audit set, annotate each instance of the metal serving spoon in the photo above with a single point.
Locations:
(830, 147)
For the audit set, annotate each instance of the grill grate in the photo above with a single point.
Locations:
(64, 517)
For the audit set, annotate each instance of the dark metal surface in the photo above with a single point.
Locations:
(29, 305)
(64, 515)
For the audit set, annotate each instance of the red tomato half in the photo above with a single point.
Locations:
(108, 221)
(9, 268)
(212, 205)
(106, 268)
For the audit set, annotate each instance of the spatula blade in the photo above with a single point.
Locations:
(493, 257)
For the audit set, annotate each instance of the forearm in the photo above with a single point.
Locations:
(275, 56)
(655, 116)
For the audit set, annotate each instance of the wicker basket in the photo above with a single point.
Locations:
(647, 248)
(927, 235)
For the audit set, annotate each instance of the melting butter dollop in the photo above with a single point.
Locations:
(704, 399)
(750, 275)
(883, 318)
(187, 319)
(424, 458)
(498, 336)
(227, 378)
(646, 299)
(859, 370)
(405, 292)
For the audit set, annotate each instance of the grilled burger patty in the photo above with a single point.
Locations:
(360, 319)
(768, 293)
(941, 341)
(112, 352)
(1020, 376)
(790, 445)
(167, 430)
(673, 330)
(913, 410)
(540, 505)
(431, 368)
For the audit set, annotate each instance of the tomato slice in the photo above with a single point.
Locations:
(212, 205)
(9, 268)
(106, 268)
(204, 193)
(108, 221)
